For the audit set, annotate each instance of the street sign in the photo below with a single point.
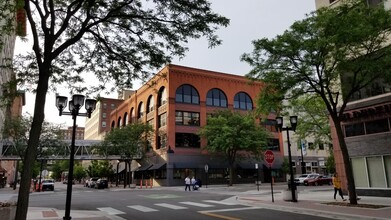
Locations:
(269, 157)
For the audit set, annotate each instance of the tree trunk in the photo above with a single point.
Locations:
(346, 161)
(231, 175)
(126, 173)
(31, 151)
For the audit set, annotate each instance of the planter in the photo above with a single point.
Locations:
(287, 195)
(8, 213)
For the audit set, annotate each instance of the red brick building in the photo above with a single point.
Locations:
(176, 102)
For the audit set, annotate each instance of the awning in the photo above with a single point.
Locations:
(158, 166)
(144, 167)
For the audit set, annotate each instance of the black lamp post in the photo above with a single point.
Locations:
(74, 106)
(293, 120)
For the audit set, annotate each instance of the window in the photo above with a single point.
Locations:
(243, 101)
(104, 115)
(314, 164)
(269, 124)
(150, 104)
(321, 146)
(162, 97)
(104, 105)
(187, 94)
(140, 110)
(354, 129)
(377, 126)
(273, 144)
(103, 124)
(187, 140)
(216, 97)
(163, 120)
(112, 106)
(187, 118)
(161, 141)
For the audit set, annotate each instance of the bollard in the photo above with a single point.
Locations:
(141, 184)
(151, 183)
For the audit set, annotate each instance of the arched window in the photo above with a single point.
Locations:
(187, 94)
(140, 112)
(150, 104)
(119, 124)
(112, 124)
(216, 97)
(125, 119)
(243, 101)
(162, 97)
(132, 115)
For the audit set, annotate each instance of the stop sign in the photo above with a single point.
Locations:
(269, 157)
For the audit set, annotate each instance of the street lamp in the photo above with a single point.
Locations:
(74, 106)
(293, 120)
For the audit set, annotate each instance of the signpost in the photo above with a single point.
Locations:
(256, 167)
(269, 158)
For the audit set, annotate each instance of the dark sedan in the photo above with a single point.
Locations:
(318, 181)
(101, 184)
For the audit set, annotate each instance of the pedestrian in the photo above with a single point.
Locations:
(337, 187)
(193, 183)
(187, 183)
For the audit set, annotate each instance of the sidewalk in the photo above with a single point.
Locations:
(310, 201)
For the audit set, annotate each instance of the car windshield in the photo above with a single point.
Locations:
(302, 176)
(48, 181)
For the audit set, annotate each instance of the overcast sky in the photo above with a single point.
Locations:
(250, 20)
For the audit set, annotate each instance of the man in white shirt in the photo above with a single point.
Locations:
(187, 183)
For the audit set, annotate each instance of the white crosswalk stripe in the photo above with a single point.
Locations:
(170, 206)
(219, 202)
(197, 204)
(111, 211)
(142, 208)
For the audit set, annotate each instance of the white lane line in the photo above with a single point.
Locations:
(142, 208)
(110, 211)
(170, 206)
(219, 202)
(230, 210)
(197, 204)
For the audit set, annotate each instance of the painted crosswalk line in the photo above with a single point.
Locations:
(111, 211)
(197, 204)
(142, 208)
(170, 206)
(220, 202)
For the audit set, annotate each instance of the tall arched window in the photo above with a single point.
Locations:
(243, 101)
(216, 97)
(187, 94)
(150, 104)
(162, 97)
(112, 124)
(119, 124)
(140, 112)
(125, 119)
(132, 115)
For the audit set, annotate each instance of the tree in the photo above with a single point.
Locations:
(79, 172)
(129, 142)
(117, 40)
(233, 134)
(341, 46)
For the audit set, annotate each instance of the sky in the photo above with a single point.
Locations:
(250, 20)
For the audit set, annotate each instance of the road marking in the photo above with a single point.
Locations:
(142, 208)
(197, 204)
(161, 196)
(110, 211)
(220, 202)
(166, 205)
(230, 210)
(220, 216)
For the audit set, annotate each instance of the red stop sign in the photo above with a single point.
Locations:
(269, 156)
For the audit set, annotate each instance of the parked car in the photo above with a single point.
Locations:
(92, 182)
(300, 180)
(48, 184)
(101, 184)
(318, 181)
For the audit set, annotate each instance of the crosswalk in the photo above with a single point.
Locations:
(160, 206)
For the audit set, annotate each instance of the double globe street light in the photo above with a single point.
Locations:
(279, 122)
(74, 106)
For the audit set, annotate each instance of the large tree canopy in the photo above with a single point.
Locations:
(350, 40)
(115, 40)
(234, 135)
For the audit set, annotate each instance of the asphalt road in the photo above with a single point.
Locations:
(161, 204)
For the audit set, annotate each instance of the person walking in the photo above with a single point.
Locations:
(337, 187)
(187, 183)
(193, 183)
